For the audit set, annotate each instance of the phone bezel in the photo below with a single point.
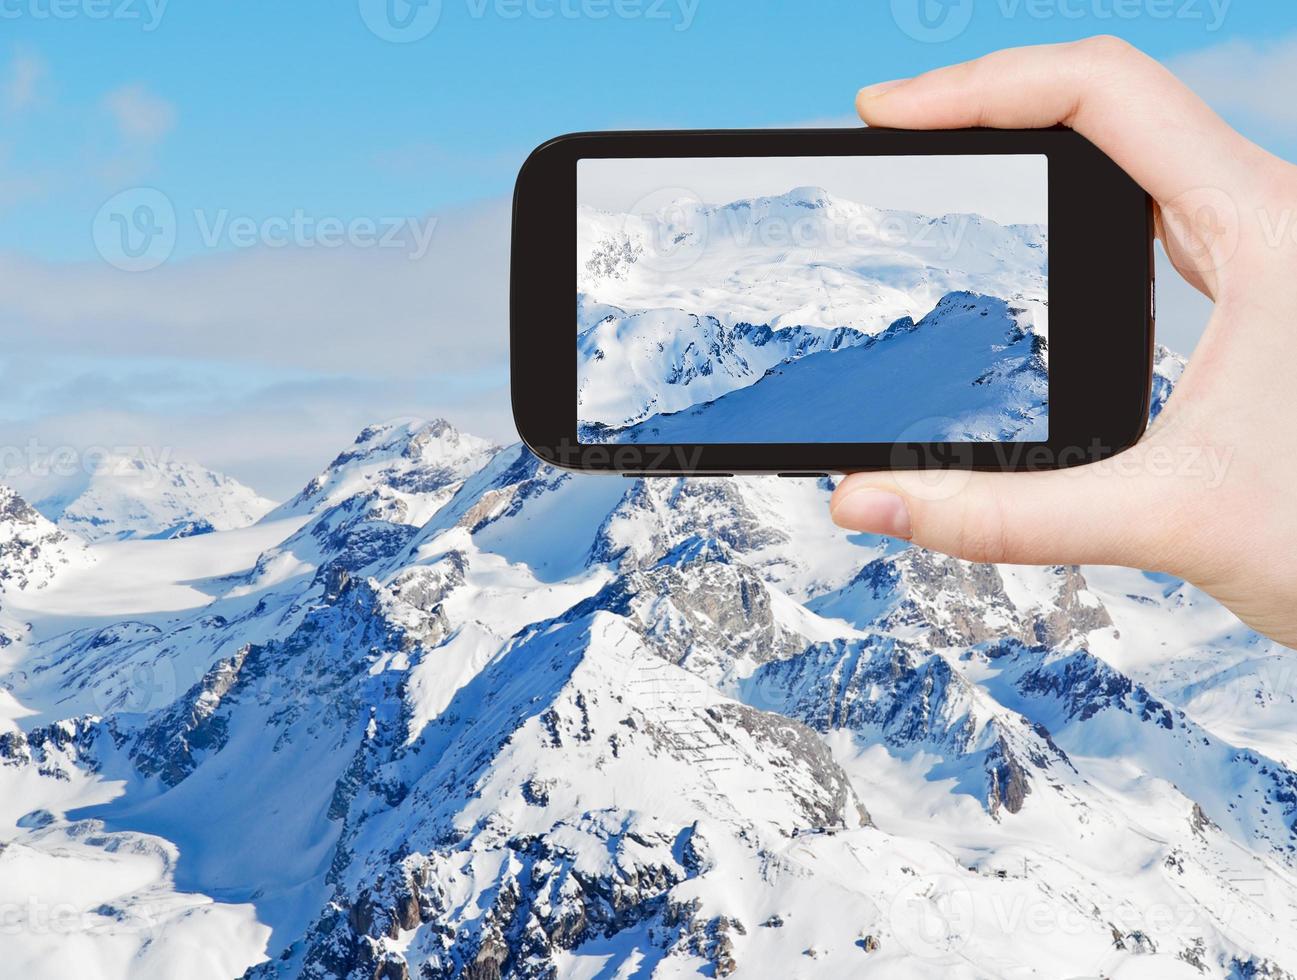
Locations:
(1100, 298)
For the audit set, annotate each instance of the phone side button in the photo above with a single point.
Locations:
(803, 476)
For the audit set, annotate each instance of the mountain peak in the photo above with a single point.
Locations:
(138, 495)
(405, 430)
(807, 195)
(32, 549)
(697, 548)
(409, 455)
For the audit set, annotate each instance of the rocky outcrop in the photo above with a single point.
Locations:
(32, 550)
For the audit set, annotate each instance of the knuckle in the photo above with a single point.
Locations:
(1108, 55)
(1108, 49)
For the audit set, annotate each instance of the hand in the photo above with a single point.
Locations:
(1210, 494)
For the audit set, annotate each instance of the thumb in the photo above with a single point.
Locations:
(1106, 513)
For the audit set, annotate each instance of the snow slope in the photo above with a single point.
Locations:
(804, 258)
(682, 306)
(485, 719)
(970, 370)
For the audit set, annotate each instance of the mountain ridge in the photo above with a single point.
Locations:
(490, 719)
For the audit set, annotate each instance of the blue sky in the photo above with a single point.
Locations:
(261, 360)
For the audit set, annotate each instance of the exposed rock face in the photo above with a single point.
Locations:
(409, 457)
(676, 510)
(502, 722)
(960, 604)
(698, 608)
(891, 691)
(32, 550)
(170, 747)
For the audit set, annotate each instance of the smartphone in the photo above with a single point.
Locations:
(806, 302)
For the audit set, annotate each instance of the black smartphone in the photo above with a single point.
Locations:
(805, 302)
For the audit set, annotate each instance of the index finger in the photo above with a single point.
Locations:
(1123, 101)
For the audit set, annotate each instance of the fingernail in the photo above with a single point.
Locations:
(873, 511)
(873, 91)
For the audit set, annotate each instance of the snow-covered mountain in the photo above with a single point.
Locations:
(452, 713)
(806, 258)
(637, 365)
(682, 307)
(32, 550)
(137, 496)
(971, 370)
(414, 460)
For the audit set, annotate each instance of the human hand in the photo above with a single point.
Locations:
(1210, 494)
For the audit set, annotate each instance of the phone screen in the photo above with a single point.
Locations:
(852, 299)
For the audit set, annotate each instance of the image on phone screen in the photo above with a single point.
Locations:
(831, 299)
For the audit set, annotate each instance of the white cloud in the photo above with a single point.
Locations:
(272, 438)
(24, 77)
(319, 342)
(371, 311)
(141, 117)
(1251, 78)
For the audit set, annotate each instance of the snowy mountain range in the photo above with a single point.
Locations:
(137, 496)
(451, 713)
(971, 370)
(703, 307)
